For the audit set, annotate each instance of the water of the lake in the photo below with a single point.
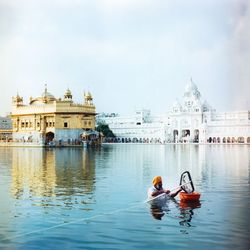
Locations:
(75, 198)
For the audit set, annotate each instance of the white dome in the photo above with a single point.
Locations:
(191, 87)
(177, 106)
(192, 90)
(206, 106)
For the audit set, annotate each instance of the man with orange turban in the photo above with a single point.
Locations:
(157, 189)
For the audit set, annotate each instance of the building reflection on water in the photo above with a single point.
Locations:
(52, 172)
(33, 173)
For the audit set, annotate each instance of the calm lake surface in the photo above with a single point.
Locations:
(74, 198)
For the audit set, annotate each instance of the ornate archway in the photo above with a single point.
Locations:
(241, 140)
(175, 134)
(185, 136)
(49, 137)
(196, 135)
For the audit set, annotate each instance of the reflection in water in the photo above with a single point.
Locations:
(186, 212)
(161, 207)
(42, 188)
(33, 173)
(157, 212)
(75, 171)
(52, 172)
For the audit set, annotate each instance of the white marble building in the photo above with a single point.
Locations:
(189, 120)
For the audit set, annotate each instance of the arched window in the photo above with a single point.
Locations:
(196, 135)
(175, 135)
(241, 140)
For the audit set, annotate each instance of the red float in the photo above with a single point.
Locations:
(194, 196)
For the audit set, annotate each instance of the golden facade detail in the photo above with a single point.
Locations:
(62, 118)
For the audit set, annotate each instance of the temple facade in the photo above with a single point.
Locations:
(190, 120)
(48, 120)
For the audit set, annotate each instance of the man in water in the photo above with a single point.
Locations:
(157, 189)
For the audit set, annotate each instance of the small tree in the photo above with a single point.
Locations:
(105, 130)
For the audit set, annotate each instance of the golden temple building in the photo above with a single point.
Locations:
(47, 120)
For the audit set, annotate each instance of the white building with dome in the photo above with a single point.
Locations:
(190, 120)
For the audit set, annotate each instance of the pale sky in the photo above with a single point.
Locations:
(128, 53)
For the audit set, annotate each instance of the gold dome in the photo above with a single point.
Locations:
(68, 94)
(88, 96)
(46, 97)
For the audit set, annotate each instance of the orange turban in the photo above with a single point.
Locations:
(156, 180)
